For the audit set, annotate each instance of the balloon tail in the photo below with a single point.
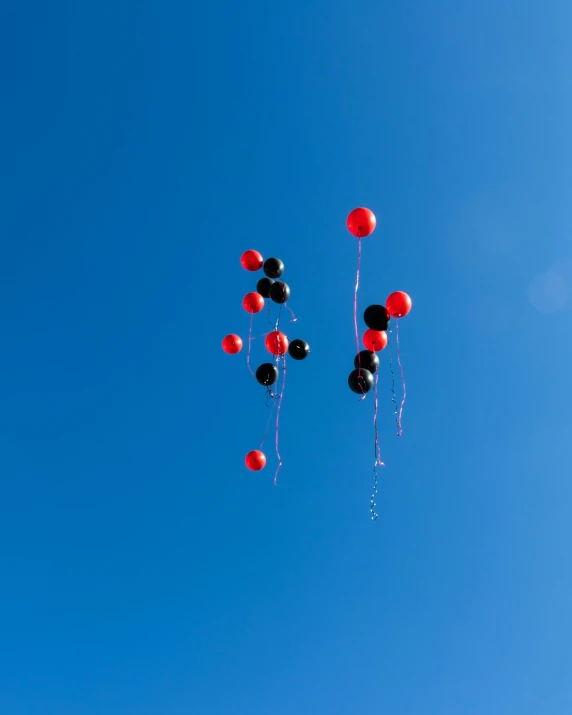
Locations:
(293, 319)
(377, 449)
(399, 427)
(250, 339)
(279, 406)
(393, 397)
(277, 324)
(272, 396)
(363, 394)
(355, 306)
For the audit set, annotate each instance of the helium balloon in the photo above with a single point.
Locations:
(298, 349)
(279, 292)
(367, 359)
(263, 287)
(273, 267)
(375, 340)
(232, 344)
(376, 317)
(251, 260)
(360, 381)
(267, 374)
(253, 302)
(361, 222)
(398, 304)
(255, 460)
(276, 343)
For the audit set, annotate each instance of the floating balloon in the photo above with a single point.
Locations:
(367, 359)
(298, 349)
(232, 344)
(361, 222)
(360, 381)
(375, 340)
(279, 292)
(267, 374)
(253, 302)
(255, 460)
(376, 317)
(276, 343)
(273, 267)
(263, 287)
(398, 304)
(251, 260)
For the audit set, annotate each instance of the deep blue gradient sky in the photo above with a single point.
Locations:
(144, 570)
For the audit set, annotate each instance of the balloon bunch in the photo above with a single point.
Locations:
(276, 342)
(361, 222)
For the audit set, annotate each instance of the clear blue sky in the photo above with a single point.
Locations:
(144, 570)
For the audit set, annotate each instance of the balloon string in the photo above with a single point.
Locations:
(250, 339)
(400, 430)
(293, 319)
(377, 450)
(363, 393)
(277, 324)
(355, 307)
(378, 461)
(393, 398)
(272, 396)
(280, 398)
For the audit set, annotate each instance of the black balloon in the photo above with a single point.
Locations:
(267, 374)
(279, 292)
(298, 349)
(376, 317)
(273, 267)
(368, 360)
(360, 381)
(263, 287)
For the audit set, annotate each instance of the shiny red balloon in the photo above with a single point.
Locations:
(375, 340)
(276, 343)
(251, 260)
(255, 460)
(232, 344)
(398, 304)
(361, 222)
(253, 302)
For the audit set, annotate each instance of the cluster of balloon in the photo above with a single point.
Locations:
(361, 222)
(276, 342)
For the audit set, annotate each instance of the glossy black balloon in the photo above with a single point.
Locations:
(298, 349)
(267, 374)
(263, 287)
(360, 381)
(273, 267)
(279, 292)
(376, 317)
(368, 360)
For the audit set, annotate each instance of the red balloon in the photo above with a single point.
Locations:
(253, 302)
(232, 344)
(276, 343)
(398, 304)
(361, 222)
(251, 260)
(375, 340)
(255, 460)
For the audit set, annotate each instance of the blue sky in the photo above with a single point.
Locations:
(143, 569)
